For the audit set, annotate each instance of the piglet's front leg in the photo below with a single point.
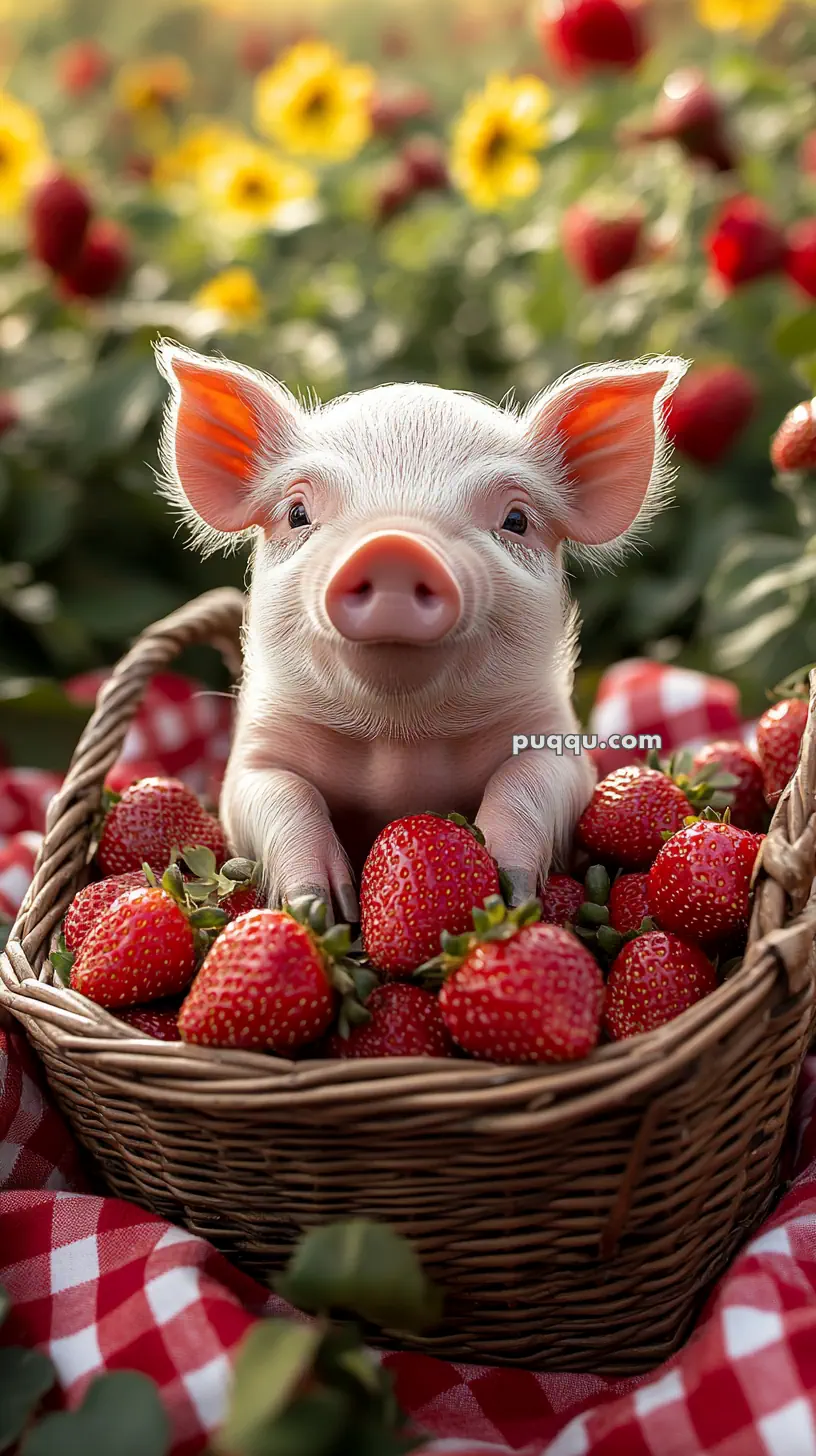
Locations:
(529, 811)
(282, 820)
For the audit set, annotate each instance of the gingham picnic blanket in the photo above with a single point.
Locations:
(100, 1285)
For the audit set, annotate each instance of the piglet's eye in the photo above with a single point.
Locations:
(515, 521)
(298, 516)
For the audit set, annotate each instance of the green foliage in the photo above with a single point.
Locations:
(89, 554)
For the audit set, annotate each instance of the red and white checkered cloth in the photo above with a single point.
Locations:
(100, 1285)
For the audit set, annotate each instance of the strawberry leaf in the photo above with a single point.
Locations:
(201, 861)
(362, 1268)
(62, 961)
(274, 1360)
(25, 1377)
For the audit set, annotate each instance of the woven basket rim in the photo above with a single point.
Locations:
(778, 958)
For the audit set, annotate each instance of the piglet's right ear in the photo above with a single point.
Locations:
(223, 423)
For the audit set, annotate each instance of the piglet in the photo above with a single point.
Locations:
(408, 611)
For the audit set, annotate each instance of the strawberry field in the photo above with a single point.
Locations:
(489, 200)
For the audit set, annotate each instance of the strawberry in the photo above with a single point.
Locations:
(81, 66)
(256, 50)
(234, 888)
(150, 820)
(141, 948)
(122, 775)
(654, 979)
(100, 264)
(424, 161)
(689, 112)
(709, 410)
(794, 444)
(624, 821)
(598, 248)
(800, 263)
(270, 981)
(59, 214)
(92, 902)
(423, 875)
(744, 242)
(629, 903)
(9, 413)
(391, 110)
(526, 992)
(561, 899)
(163, 1025)
(700, 882)
(779, 736)
(748, 798)
(592, 35)
(405, 1022)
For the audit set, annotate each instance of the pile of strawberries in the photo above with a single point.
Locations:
(176, 938)
(88, 256)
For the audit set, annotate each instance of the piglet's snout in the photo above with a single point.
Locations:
(393, 588)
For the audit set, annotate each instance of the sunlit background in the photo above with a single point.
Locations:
(477, 195)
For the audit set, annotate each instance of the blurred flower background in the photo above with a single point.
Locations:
(480, 195)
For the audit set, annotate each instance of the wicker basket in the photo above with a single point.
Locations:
(575, 1215)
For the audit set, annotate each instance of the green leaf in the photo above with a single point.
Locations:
(273, 1360)
(796, 336)
(125, 1403)
(109, 412)
(25, 1377)
(365, 1268)
(201, 861)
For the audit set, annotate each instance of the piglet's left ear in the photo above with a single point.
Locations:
(600, 433)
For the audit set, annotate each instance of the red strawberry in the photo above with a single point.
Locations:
(122, 775)
(265, 984)
(140, 949)
(733, 757)
(709, 410)
(9, 413)
(248, 897)
(392, 110)
(690, 113)
(794, 444)
(100, 264)
(59, 214)
(92, 902)
(800, 263)
(256, 50)
(590, 35)
(699, 884)
(394, 190)
(597, 247)
(405, 1022)
(152, 818)
(627, 813)
(423, 875)
(654, 979)
(534, 997)
(779, 736)
(424, 161)
(163, 1025)
(81, 66)
(744, 242)
(629, 903)
(561, 899)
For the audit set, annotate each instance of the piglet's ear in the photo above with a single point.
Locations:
(600, 432)
(223, 423)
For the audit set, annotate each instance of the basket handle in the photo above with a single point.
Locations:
(216, 618)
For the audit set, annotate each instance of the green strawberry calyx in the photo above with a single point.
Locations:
(212, 884)
(708, 787)
(491, 922)
(352, 981)
(795, 685)
(591, 923)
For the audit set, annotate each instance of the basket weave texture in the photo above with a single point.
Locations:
(575, 1215)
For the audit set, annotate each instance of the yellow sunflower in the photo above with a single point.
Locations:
(153, 84)
(23, 152)
(200, 141)
(250, 187)
(494, 140)
(234, 294)
(752, 16)
(313, 104)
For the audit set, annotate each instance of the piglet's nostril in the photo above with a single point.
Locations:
(423, 592)
(362, 589)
